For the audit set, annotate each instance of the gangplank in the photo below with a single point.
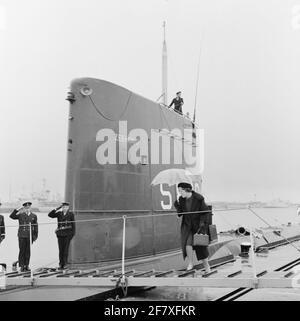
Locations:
(171, 278)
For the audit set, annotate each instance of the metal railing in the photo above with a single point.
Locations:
(125, 218)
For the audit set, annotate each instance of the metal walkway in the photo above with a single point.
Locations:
(171, 278)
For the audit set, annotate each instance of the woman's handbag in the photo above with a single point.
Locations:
(200, 240)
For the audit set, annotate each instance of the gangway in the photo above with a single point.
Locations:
(170, 278)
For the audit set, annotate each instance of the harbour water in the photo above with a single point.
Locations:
(274, 216)
(44, 250)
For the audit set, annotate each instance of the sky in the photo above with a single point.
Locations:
(248, 92)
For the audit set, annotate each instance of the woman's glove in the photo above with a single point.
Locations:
(201, 229)
(176, 204)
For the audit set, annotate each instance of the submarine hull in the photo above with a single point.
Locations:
(101, 193)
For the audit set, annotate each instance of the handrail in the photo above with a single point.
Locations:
(184, 116)
(111, 211)
(135, 216)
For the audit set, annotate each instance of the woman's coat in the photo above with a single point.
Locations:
(193, 222)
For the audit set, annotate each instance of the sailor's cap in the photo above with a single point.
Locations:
(178, 92)
(65, 204)
(27, 204)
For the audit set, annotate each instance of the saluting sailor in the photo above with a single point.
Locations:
(64, 232)
(2, 227)
(25, 216)
(2, 236)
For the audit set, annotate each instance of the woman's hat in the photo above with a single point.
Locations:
(184, 185)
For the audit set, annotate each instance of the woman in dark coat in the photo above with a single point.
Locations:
(190, 201)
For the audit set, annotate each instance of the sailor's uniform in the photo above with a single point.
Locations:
(178, 102)
(2, 228)
(24, 235)
(64, 232)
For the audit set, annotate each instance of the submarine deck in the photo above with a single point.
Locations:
(228, 281)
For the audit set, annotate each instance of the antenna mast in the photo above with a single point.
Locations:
(197, 82)
(164, 68)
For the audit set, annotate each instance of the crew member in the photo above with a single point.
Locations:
(2, 237)
(2, 227)
(25, 216)
(178, 102)
(64, 232)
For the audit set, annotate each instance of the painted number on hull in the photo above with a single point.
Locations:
(167, 202)
(166, 205)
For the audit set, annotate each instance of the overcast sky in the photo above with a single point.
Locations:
(248, 95)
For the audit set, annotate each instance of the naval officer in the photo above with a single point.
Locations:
(2, 227)
(64, 232)
(2, 236)
(25, 216)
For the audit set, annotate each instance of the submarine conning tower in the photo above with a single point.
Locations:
(101, 192)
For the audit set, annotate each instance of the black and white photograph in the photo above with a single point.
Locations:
(150, 151)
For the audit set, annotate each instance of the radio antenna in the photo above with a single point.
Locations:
(197, 81)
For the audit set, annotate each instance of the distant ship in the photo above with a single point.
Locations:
(42, 200)
(277, 203)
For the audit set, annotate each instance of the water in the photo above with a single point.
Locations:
(226, 220)
(45, 249)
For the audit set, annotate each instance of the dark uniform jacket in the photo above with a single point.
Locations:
(193, 222)
(177, 104)
(24, 221)
(65, 223)
(2, 228)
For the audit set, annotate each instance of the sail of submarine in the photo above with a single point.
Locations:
(101, 187)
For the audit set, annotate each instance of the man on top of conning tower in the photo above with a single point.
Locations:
(178, 102)
(2, 227)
